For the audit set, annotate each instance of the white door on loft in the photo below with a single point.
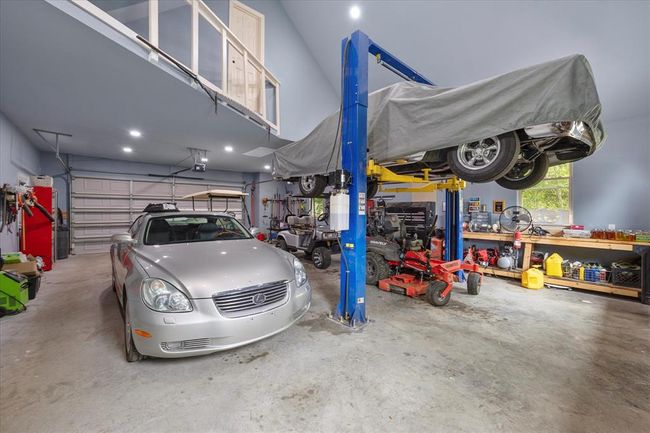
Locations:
(248, 25)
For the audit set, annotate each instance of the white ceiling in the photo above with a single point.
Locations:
(458, 42)
(59, 74)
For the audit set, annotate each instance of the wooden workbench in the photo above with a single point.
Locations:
(529, 242)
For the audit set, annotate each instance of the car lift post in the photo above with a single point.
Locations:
(351, 309)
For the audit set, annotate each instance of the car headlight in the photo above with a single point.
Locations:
(161, 296)
(299, 272)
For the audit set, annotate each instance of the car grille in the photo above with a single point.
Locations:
(234, 302)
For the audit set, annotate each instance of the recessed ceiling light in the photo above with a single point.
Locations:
(355, 12)
(267, 167)
(228, 148)
(204, 159)
(127, 149)
(135, 133)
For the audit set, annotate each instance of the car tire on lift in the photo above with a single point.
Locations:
(130, 351)
(312, 186)
(376, 268)
(372, 188)
(436, 287)
(282, 244)
(321, 257)
(503, 160)
(525, 175)
(473, 283)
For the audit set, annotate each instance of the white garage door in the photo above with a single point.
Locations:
(103, 206)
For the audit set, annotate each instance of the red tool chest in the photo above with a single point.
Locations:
(37, 233)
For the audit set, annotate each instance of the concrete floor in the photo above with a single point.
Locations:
(507, 360)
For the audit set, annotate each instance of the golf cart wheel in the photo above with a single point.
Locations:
(473, 283)
(485, 160)
(372, 188)
(376, 269)
(130, 351)
(526, 174)
(434, 293)
(312, 186)
(321, 257)
(282, 244)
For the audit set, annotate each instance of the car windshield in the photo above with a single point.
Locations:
(193, 228)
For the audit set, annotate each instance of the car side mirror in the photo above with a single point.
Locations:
(122, 238)
(255, 231)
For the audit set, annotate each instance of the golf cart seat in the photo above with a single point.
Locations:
(306, 221)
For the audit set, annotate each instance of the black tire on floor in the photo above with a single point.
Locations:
(282, 244)
(473, 283)
(376, 269)
(485, 160)
(321, 257)
(434, 292)
(312, 186)
(525, 175)
(372, 188)
(130, 351)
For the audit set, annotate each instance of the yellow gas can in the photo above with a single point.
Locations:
(532, 279)
(554, 265)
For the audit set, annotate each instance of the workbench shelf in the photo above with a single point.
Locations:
(529, 242)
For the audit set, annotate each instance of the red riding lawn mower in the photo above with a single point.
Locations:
(412, 270)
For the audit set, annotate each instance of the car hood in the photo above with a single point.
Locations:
(203, 269)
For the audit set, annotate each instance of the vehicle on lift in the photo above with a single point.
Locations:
(515, 160)
(196, 282)
(316, 240)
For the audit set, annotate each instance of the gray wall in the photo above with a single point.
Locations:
(18, 160)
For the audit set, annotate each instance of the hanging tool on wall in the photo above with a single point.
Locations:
(16, 198)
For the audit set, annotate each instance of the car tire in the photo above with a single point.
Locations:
(525, 175)
(473, 283)
(485, 160)
(282, 244)
(321, 257)
(130, 351)
(376, 268)
(372, 188)
(434, 292)
(312, 186)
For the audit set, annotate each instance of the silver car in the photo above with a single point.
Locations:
(191, 283)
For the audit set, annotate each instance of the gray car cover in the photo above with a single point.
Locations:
(409, 117)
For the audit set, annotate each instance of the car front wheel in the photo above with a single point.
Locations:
(526, 174)
(131, 352)
(485, 160)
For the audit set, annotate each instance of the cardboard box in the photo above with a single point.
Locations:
(28, 269)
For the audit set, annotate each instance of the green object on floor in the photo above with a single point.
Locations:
(14, 293)
(10, 258)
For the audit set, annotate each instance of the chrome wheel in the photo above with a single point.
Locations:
(308, 182)
(480, 154)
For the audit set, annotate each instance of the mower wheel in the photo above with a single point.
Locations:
(282, 244)
(473, 283)
(322, 257)
(376, 269)
(434, 293)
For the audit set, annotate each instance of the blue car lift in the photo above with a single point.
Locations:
(351, 309)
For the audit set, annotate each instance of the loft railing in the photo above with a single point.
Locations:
(193, 35)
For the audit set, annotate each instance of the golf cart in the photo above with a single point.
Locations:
(314, 238)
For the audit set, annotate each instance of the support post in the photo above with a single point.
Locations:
(351, 309)
(454, 228)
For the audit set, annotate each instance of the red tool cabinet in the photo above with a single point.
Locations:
(37, 235)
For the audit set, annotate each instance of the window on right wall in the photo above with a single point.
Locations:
(549, 202)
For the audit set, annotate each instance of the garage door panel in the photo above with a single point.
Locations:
(90, 247)
(84, 217)
(163, 190)
(84, 185)
(99, 202)
(108, 231)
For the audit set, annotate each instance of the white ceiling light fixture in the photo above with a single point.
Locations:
(135, 133)
(228, 148)
(127, 149)
(355, 12)
(267, 167)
